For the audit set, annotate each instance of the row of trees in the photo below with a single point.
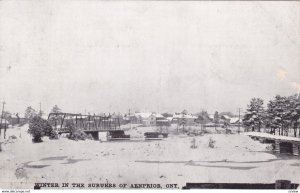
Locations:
(281, 115)
(31, 112)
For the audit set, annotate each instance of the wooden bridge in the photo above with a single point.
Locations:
(87, 123)
(283, 144)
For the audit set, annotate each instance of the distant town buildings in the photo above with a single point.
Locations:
(157, 119)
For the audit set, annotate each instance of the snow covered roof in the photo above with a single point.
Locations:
(226, 116)
(148, 114)
(162, 120)
(158, 115)
(184, 116)
(143, 115)
(211, 116)
(169, 118)
(234, 120)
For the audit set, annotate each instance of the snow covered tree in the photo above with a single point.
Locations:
(167, 114)
(279, 114)
(39, 128)
(293, 112)
(216, 117)
(254, 116)
(270, 117)
(30, 113)
(55, 109)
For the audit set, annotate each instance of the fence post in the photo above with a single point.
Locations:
(295, 149)
(277, 146)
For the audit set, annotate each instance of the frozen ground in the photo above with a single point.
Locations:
(234, 159)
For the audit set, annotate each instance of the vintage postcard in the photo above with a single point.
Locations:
(149, 95)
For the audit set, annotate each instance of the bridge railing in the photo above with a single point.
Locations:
(60, 122)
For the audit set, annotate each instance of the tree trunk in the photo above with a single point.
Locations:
(295, 128)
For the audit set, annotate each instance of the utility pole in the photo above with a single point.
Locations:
(3, 103)
(129, 117)
(239, 121)
(40, 109)
(203, 121)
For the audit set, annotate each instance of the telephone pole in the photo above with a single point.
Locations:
(129, 118)
(203, 122)
(239, 121)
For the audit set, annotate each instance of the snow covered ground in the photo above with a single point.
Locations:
(234, 159)
(267, 135)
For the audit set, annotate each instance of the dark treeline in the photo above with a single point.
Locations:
(281, 115)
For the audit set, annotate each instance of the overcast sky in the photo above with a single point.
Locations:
(151, 56)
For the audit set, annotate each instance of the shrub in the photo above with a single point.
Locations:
(53, 135)
(76, 134)
(211, 143)
(193, 142)
(70, 126)
(39, 128)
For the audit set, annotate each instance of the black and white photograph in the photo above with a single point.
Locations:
(159, 95)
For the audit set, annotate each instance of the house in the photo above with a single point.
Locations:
(17, 119)
(134, 119)
(235, 121)
(204, 119)
(169, 119)
(225, 119)
(147, 119)
(162, 121)
(122, 120)
(4, 124)
(188, 119)
(211, 118)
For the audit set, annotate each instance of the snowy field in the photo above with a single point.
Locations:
(234, 159)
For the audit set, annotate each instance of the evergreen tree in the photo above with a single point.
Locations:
(39, 128)
(278, 114)
(30, 113)
(293, 112)
(254, 117)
